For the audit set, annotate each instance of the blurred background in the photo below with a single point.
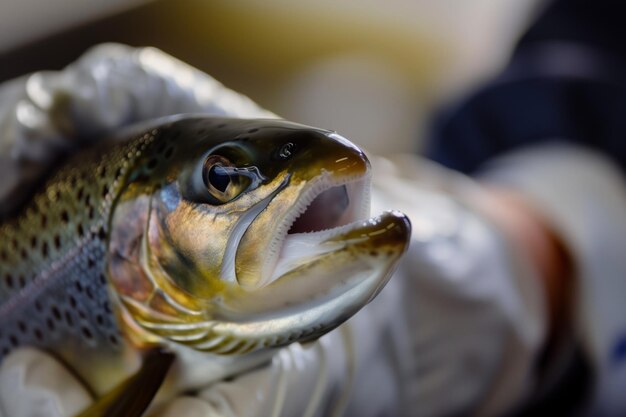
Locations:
(373, 70)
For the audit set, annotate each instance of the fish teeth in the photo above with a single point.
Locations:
(287, 251)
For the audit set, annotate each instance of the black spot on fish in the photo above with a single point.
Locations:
(33, 242)
(152, 163)
(21, 280)
(86, 333)
(105, 190)
(169, 152)
(69, 319)
(114, 340)
(80, 230)
(56, 313)
(90, 263)
(65, 217)
(79, 193)
(102, 233)
(9, 280)
(50, 324)
(38, 334)
(13, 340)
(72, 301)
(22, 326)
(44, 221)
(57, 241)
(44, 249)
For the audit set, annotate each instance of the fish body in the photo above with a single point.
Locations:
(212, 235)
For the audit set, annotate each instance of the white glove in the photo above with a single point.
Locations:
(472, 301)
(454, 332)
(33, 384)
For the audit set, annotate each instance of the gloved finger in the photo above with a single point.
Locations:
(188, 407)
(291, 384)
(34, 384)
(300, 380)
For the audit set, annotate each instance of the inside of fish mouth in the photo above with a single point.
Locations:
(327, 211)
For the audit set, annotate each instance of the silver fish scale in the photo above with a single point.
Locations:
(75, 307)
(53, 287)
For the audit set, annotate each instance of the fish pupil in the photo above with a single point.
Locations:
(219, 178)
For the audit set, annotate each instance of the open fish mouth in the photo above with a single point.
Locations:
(325, 211)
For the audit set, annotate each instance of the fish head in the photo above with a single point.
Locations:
(234, 235)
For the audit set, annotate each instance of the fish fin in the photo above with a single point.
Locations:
(131, 397)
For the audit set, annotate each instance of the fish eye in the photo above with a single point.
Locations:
(223, 180)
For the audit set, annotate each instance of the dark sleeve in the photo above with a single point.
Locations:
(566, 81)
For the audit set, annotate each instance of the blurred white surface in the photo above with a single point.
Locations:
(361, 96)
(373, 70)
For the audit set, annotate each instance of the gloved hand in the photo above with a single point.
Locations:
(456, 331)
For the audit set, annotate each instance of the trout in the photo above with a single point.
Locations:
(196, 237)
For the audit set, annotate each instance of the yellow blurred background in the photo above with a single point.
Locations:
(373, 70)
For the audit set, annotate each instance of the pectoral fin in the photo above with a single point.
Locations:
(132, 397)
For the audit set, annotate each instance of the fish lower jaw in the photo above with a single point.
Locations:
(301, 248)
(251, 329)
(389, 229)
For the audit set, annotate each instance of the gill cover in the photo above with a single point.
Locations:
(232, 235)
